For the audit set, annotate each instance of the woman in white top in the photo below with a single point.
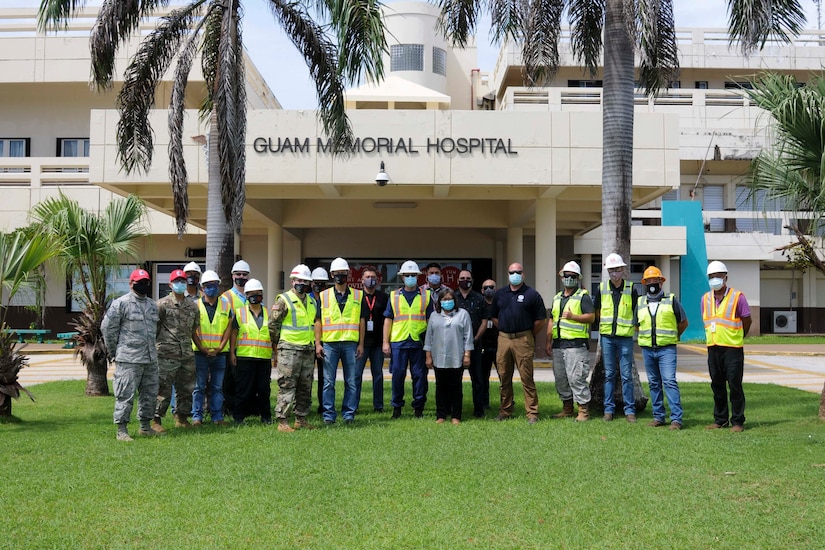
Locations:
(447, 345)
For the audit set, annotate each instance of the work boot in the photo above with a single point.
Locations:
(283, 426)
(608, 417)
(419, 412)
(584, 412)
(197, 423)
(396, 413)
(301, 423)
(567, 409)
(123, 433)
(156, 427)
(181, 421)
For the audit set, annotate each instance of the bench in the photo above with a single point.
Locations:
(70, 339)
(21, 332)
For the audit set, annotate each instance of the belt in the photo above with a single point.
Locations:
(513, 335)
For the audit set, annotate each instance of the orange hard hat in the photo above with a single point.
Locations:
(652, 272)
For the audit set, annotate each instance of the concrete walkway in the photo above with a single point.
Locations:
(799, 366)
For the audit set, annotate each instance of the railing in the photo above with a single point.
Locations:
(736, 221)
(44, 171)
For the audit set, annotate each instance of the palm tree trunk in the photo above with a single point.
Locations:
(97, 366)
(220, 242)
(5, 408)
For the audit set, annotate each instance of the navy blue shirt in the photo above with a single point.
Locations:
(474, 304)
(517, 310)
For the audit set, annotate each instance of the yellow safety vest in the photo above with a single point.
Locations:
(409, 320)
(722, 326)
(567, 328)
(253, 342)
(234, 300)
(624, 318)
(337, 325)
(212, 331)
(663, 325)
(299, 323)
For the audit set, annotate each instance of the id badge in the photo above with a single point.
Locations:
(713, 326)
(370, 325)
(489, 323)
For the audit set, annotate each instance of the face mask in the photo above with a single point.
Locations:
(490, 292)
(179, 288)
(240, 282)
(192, 280)
(370, 282)
(615, 276)
(716, 283)
(410, 281)
(465, 284)
(317, 288)
(210, 291)
(142, 287)
(570, 282)
(654, 288)
(300, 288)
(340, 279)
(447, 305)
(434, 279)
(515, 279)
(255, 299)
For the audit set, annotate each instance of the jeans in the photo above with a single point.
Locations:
(345, 351)
(213, 370)
(376, 357)
(618, 349)
(660, 364)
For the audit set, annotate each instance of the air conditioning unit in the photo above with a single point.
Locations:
(784, 321)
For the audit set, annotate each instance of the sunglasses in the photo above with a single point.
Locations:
(514, 272)
(464, 279)
(615, 270)
(488, 287)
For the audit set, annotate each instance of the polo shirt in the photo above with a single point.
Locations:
(474, 305)
(517, 310)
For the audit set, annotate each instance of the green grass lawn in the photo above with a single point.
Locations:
(414, 484)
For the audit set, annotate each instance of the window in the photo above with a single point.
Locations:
(72, 147)
(757, 202)
(117, 284)
(584, 83)
(439, 61)
(407, 57)
(676, 84)
(738, 85)
(14, 147)
(701, 84)
(713, 198)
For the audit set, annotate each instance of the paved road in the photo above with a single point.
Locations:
(804, 369)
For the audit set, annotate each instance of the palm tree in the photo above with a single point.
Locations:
(347, 43)
(791, 169)
(20, 259)
(90, 246)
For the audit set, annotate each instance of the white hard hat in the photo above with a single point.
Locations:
(252, 285)
(210, 276)
(320, 274)
(300, 271)
(717, 267)
(192, 266)
(570, 266)
(613, 260)
(409, 267)
(240, 265)
(339, 264)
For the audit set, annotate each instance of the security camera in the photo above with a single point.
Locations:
(382, 178)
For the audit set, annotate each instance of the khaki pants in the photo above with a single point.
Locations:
(517, 353)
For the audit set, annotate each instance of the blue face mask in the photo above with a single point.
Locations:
(515, 279)
(210, 291)
(434, 279)
(447, 305)
(410, 280)
(178, 287)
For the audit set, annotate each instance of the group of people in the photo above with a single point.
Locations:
(217, 350)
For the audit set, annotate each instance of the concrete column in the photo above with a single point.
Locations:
(587, 272)
(663, 263)
(274, 261)
(499, 264)
(546, 256)
(515, 246)
(808, 289)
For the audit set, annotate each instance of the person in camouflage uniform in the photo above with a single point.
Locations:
(291, 327)
(178, 322)
(129, 329)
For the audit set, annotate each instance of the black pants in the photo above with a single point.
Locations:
(488, 359)
(252, 389)
(229, 388)
(449, 394)
(480, 384)
(726, 366)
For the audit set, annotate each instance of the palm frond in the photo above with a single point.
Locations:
(359, 30)
(458, 19)
(54, 15)
(213, 21)
(507, 19)
(540, 43)
(587, 23)
(753, 22)
(656, 38)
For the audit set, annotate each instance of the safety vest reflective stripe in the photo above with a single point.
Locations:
(722, 326)
(252, 341)
(211, 332)
(409, 320)
(624, 318)
(337, 325)
(568, 329)
(664, 324)
(298, 325)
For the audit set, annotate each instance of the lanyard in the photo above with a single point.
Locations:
(370, 305)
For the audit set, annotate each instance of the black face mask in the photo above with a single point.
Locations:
(317, 288)
(240, 281)
(142, 287)
(340, 279)
(192, 280)
(255, 299)
(490, 292)
(300, 288)
(654, 289)
(465, 284)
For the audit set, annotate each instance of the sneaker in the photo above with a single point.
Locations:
(419, 412)
(737, 428)
(714, 426)
(396, 413)
(284, 427)
(197, 423)
(631, 418)
(124, 436)
(608, 417)
(502, 417)
(656, 423)
(675, 425)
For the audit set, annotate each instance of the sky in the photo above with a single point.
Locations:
(286, 73)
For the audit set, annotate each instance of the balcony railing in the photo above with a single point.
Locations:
(44, 171)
